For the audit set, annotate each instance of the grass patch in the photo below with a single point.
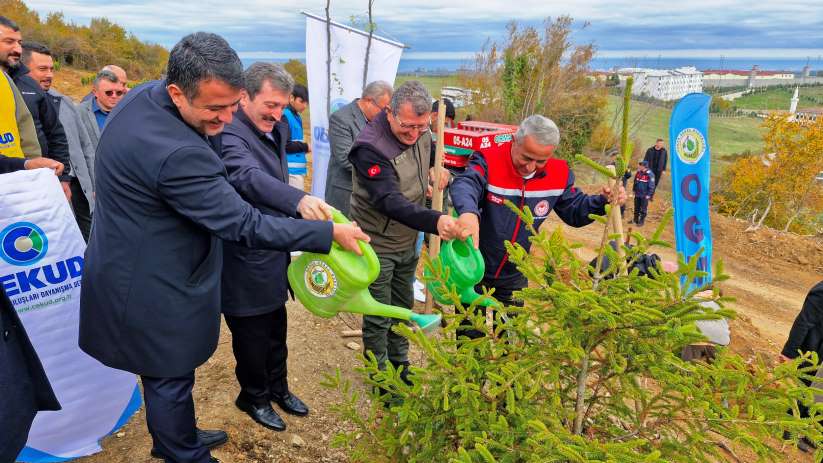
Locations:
(727, 136)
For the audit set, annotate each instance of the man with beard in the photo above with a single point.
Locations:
(37, 58)
(50, 132)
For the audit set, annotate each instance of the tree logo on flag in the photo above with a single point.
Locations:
(23, 243)
(690, 146)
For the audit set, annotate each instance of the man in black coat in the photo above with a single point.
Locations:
(255, 286)
(50, 133)
(24, 385)
(151, 283)
(806, 335)
(657, 158)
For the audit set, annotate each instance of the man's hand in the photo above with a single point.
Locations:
(44, 163)
(308, 146)
(449, 228)
(66, 190)
(347, 236)
(783, 359)
(314, 208)
(471, 224)
(443, 181)
(621, 195)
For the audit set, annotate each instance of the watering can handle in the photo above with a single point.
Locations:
(368, 252)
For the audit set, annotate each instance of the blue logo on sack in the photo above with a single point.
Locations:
(23, 243)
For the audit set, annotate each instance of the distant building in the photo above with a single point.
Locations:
(459, 96)
(756, 74)
(664, 84)
(808, 115)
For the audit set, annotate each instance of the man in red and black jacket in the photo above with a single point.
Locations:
(529, 176)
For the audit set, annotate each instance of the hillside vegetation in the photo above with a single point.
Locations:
(89, 47)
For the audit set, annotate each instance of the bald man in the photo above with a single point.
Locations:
(122, 79)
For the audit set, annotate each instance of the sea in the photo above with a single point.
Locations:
(450, 66)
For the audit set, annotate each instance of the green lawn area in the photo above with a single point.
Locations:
(780, 98)
(432, 83)
(727, 136)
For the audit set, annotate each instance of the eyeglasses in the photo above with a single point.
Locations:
(114, 92)
(422, 128)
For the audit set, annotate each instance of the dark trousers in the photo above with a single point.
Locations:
(641, 206)
(393, 286)
(503, 295)
(658, 178)
(82, 212)
(170, 419)
(17, 401)
(259, 345)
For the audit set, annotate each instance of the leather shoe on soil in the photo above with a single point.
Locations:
(291, 404)
(263, 414)
(209, 438)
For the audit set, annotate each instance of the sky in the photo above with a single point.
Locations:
(457, 28)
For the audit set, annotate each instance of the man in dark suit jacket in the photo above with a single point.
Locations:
(657, 158)
(344, 126)
(151, 282)
(255, 287)
(24, 385)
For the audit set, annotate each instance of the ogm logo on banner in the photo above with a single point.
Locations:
(690, 146)
(23, 243)
(338, 103)
(320, 279)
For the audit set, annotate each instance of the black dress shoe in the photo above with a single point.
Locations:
(263, 414)
(209, 438)
(290, 404)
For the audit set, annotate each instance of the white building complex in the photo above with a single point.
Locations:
(665, 84)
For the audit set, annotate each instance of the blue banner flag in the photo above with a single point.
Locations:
(691, 165)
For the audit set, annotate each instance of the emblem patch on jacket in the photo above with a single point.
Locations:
(493, 198)
(374, 170)
(541, 209)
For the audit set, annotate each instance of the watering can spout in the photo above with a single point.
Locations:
(339, 282)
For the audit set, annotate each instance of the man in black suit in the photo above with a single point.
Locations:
(151, 282)
(255, 287)
(24, 385)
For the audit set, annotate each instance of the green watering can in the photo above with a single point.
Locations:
(339, 282)
(465, 270)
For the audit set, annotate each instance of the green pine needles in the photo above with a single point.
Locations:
(588, 370)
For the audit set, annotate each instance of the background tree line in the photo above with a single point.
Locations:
(89, 47)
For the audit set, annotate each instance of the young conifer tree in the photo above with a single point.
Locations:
(588, 370)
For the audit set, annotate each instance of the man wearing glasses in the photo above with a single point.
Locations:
(344, 126)
(391, 159)
(107, 91)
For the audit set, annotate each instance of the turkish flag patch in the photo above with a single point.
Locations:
(374, 170)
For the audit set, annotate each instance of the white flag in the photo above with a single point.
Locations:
(41, 265)
(348, 56)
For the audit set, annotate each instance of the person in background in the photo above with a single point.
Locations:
(50, 133)
(806, 335)
(25, 145)
(344, 126)
(254, 283)
(643, 188)
(122, 78)
(81, 151)
(107, 92)
(297, 147)
(657, 157)
(391, 159)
